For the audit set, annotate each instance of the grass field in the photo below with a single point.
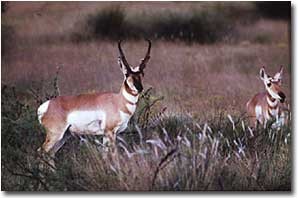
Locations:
(202, 85)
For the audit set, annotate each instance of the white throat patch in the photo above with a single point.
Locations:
(129, 97)
(131, 108)
(270, 103)
(273, 94)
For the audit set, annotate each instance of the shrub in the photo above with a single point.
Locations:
(196, 26)
(108, 23)
(275, 10)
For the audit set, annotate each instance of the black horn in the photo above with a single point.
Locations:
(122, 56)
(147, 57)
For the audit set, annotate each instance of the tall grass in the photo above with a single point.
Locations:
(200, 148)
(161, 152)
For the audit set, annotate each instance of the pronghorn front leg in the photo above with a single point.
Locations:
(110, 139)
(113, 152)
(105, 143)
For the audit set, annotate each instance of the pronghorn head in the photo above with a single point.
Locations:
(133, 76)
(273, 84)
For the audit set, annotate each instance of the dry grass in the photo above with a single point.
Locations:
(192, 78)
(200, 81)
(172, 152)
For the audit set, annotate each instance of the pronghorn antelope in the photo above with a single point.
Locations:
(268, 105)
(96, 113)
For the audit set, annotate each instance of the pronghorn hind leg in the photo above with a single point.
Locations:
(51, 145)
(47, 154)
(50, 142)
(61, 142)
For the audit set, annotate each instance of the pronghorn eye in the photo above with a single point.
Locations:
(268, 84)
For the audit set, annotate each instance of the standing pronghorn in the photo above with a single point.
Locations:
(268, 105)
(96, 113)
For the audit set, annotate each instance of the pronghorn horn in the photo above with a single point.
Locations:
(122, 56)
(147, 57)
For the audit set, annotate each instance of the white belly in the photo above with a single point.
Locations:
(87, 122)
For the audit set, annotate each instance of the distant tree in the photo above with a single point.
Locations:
(275, 9)
(4, 6)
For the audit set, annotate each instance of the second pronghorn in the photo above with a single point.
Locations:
(96, 113)
(268, 105)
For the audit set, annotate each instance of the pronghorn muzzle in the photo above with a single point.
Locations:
(139, 86)
(282, 97)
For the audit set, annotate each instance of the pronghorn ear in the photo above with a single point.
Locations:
(278, 75)
(125, 69)
(263, 74)
(281, 69)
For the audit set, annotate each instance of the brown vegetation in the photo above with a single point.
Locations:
(203, 81)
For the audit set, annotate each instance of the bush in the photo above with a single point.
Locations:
(275, 9)
(108, 23)
(202, 27)
(196, 26)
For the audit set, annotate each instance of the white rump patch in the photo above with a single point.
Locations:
(87, 122)
(42, 109)
(129, 97)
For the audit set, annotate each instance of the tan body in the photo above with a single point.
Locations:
(268, 105)
(95, 114)
(260, 111)
(114, 112)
